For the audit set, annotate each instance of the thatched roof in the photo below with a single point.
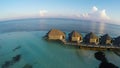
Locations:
(107, 37)
(92, 35)
(117, 41)
(89, 36)
(75, 34)
(55, 32)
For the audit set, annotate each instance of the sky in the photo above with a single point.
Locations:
(100, 10)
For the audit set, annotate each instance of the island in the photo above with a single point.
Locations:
(90, 41)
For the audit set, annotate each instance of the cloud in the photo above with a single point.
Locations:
(95, 14)
(104, 15)
(94, 8)
(43, 12)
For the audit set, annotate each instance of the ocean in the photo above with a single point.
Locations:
(24, 38)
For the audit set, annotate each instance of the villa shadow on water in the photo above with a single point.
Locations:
(104, 62)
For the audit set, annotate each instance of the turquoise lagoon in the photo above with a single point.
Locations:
(39, 53)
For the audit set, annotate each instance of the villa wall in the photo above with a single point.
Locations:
(94, 41)
(53, 37)
(77, 39)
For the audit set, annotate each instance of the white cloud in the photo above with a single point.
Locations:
(94, 8)
(96, 14)
(43, 12)
(104, 15)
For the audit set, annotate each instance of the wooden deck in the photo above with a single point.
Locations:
(88, 46)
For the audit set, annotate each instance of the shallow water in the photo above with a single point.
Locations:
(39, 53)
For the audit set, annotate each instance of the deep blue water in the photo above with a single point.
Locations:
(37, 24)
(27, 36)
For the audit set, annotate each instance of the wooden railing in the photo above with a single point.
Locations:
(90, 46)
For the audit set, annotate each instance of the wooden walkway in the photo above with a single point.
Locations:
(88, 46)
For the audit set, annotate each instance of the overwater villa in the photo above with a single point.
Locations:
(117, 41)
(106, 40)
(74, 36)
(91, 38)
(55, 34)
